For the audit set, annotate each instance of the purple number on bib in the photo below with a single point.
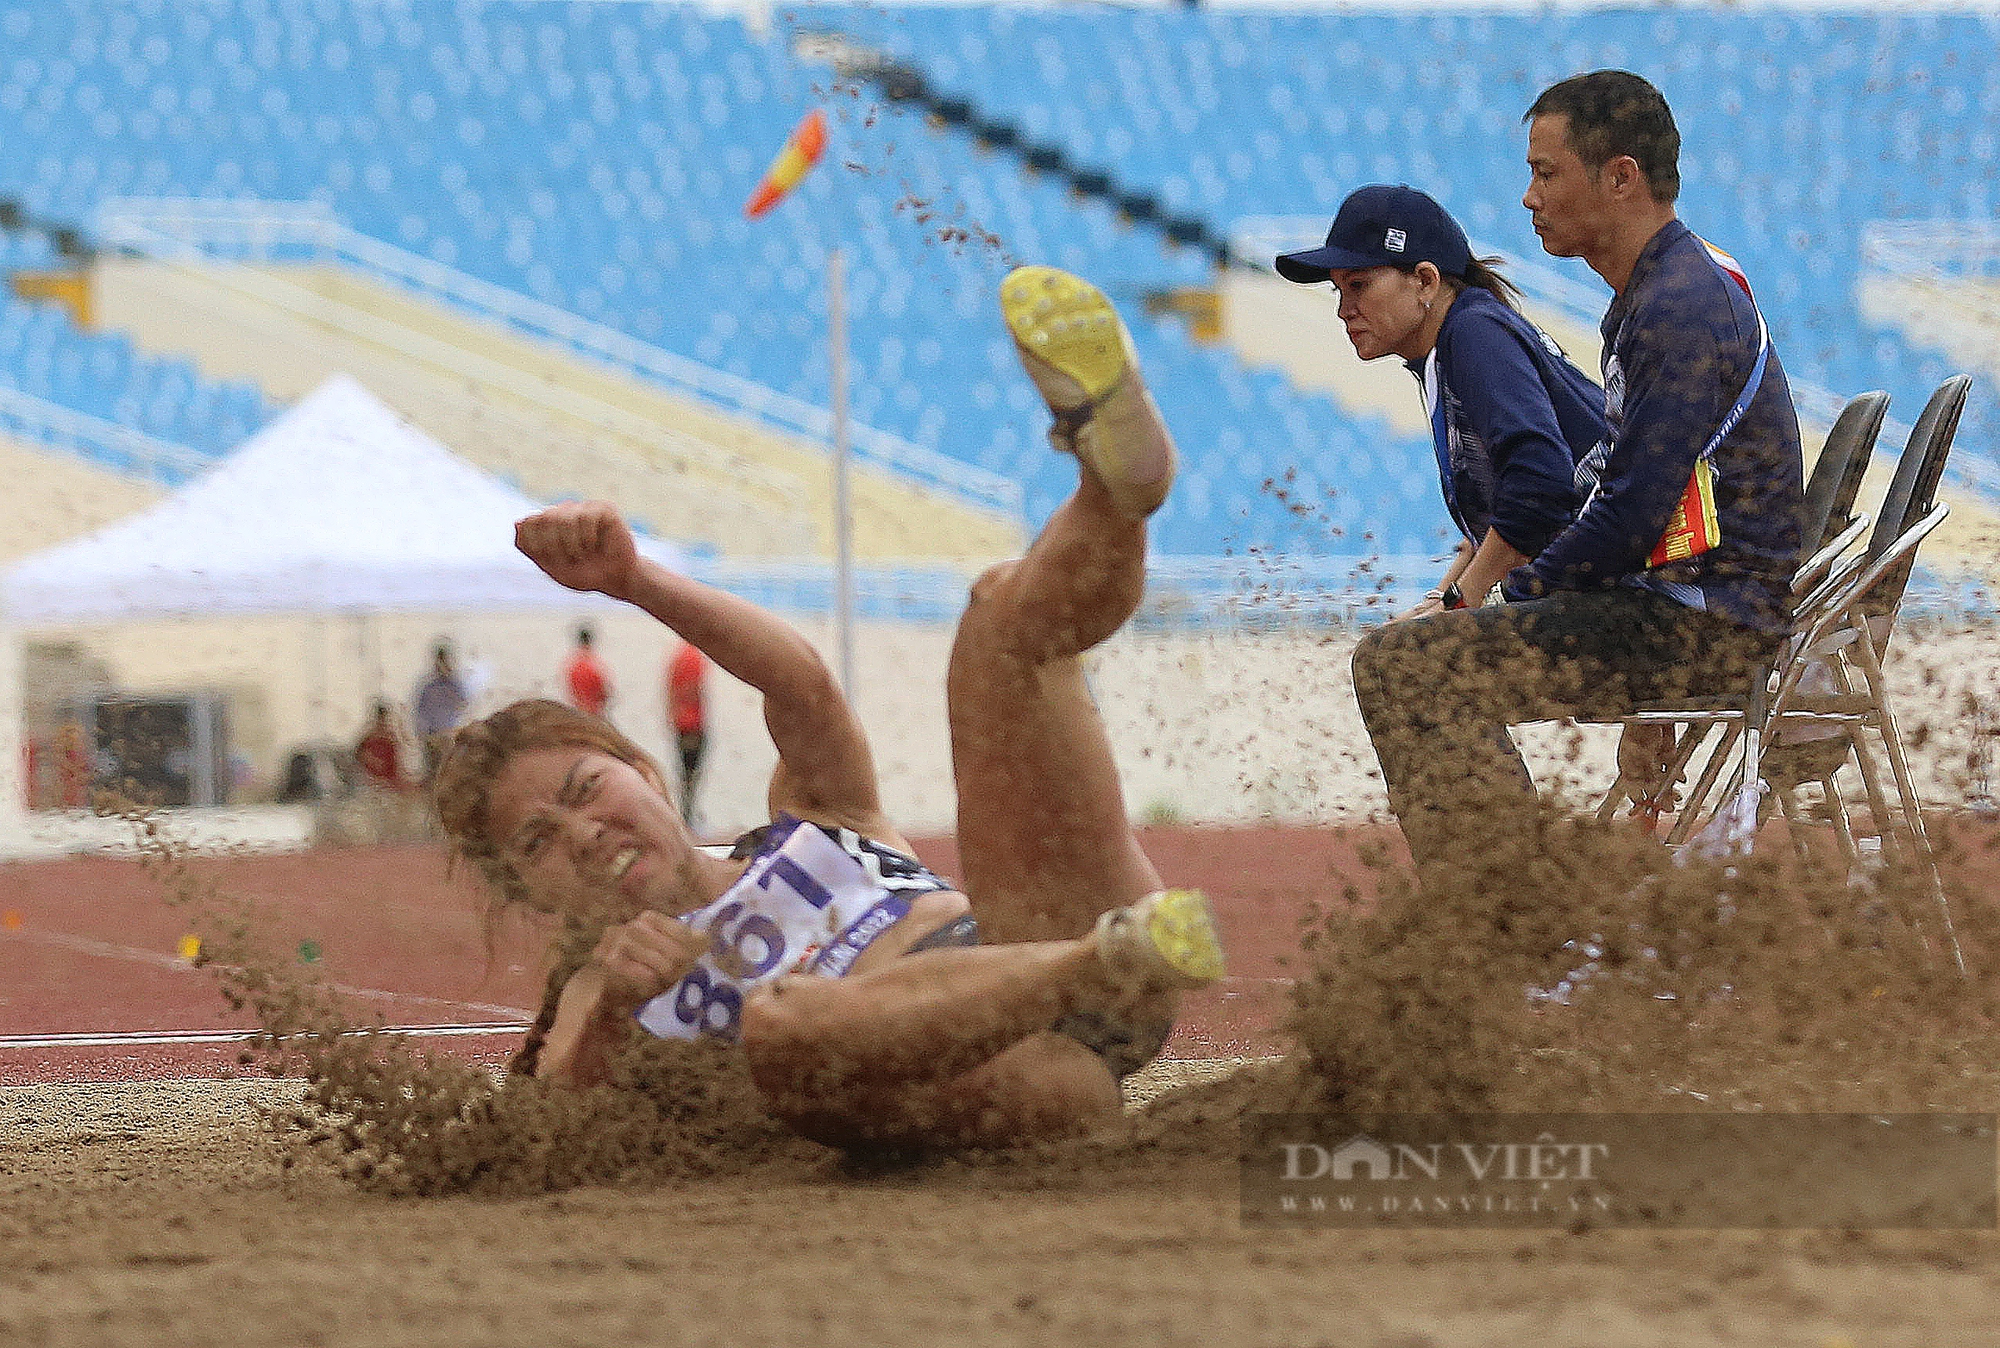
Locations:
(728, 947)
(698, 997)
(757, 927)
(798, 880)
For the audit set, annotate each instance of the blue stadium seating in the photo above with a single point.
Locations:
(45, 355)
(1800, 128)
(596, 156)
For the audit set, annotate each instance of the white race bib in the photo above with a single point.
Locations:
(805, 904)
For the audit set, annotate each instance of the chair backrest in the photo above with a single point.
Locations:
(1843, 461)
(1913, 490)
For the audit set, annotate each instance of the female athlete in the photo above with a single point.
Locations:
(876, 1002)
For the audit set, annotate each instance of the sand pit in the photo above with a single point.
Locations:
(158, 1214)
(165, 1212)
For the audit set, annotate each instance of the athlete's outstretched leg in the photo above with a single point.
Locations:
(1044, 842)
(953, 1044)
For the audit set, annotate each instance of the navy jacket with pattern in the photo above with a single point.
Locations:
(1680, 342)
(1517, 417)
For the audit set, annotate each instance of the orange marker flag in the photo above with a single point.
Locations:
(802, 150)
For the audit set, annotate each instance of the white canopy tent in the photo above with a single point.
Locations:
(338, 506)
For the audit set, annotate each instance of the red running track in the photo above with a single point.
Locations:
(93, 987)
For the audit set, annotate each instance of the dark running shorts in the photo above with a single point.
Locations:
(1124, 1046)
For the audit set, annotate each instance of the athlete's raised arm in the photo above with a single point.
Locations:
(825, 769)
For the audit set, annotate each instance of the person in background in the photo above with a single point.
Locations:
(589, 683)
(689, 714)
(1675, 579)
(73, 765)
(379, 752)
(439, 707)
(1510, 416)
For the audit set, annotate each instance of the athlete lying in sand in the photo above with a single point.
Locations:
(877, 1003)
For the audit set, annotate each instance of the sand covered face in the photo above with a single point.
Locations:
(591, 837)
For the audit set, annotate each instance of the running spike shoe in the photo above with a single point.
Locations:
(1079, 355)
(1166, 940)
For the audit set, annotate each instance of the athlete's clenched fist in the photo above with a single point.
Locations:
(583, 545)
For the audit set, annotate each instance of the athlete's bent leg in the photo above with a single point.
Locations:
(1045, 1086)
(1044, 842)
(926, 1016)
(878, 1053)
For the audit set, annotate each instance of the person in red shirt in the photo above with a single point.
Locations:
(689, 715)
(379, 752)
(588, 681)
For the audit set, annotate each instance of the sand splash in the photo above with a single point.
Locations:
(394, 1118)
(1774, 984)
(1767, 982)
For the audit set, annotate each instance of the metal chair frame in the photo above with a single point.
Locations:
(1830, 522)
(1843, 623)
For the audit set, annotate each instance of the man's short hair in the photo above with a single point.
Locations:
(1612, 113)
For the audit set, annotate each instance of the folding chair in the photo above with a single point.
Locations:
(1836, 478)
(1843, 631)
(1842, 627)
(1832, 527)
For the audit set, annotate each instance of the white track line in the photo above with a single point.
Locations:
(143, 1037)
(105, 949)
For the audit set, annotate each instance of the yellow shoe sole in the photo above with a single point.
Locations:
(1066, 322)
(1183, 931)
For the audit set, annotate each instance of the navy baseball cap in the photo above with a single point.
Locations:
(1383, 226)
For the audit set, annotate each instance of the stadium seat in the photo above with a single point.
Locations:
(533, 145)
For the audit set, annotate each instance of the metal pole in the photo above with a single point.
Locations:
(843, 520)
